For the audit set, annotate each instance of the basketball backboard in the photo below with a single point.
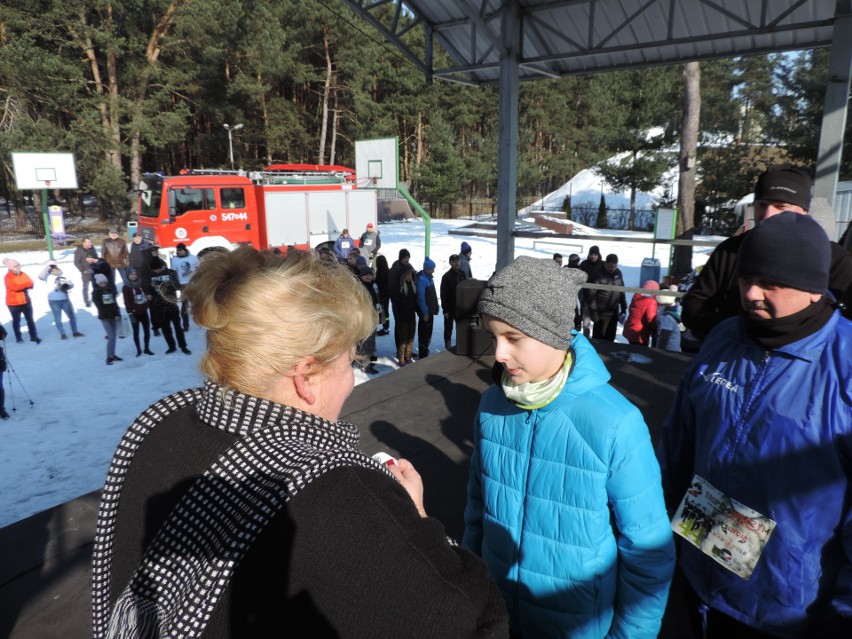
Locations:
(38, 171)
(377, 163)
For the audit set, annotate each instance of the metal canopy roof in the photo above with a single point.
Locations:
(565, 37)
(506, 41)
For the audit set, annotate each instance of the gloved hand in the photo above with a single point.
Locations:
(622, 317)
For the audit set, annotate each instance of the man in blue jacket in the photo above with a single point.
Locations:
(427, 307)
(764, 417)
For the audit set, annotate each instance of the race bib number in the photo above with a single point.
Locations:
(725, 530)
(108, 298)
(139, 298)
(368, 242)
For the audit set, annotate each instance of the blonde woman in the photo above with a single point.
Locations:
(245, 509)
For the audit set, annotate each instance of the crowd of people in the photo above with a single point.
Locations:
(651, 318)
(145, 299)
(225, 507)
(571, 510)
(400, 290)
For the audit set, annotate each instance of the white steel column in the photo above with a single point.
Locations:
(834, 111)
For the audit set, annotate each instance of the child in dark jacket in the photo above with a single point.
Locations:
(103, 295)
(136, 303)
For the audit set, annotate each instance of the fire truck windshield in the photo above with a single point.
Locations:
(150, 196)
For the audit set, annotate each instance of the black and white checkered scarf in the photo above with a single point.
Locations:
(187, 567)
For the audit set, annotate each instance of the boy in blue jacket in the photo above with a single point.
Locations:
(564, 503)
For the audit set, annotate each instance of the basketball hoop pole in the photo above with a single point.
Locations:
(47, 234)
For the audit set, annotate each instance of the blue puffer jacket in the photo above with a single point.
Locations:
(773, 430)
(543, 486)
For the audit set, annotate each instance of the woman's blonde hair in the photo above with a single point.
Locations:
(263, 314)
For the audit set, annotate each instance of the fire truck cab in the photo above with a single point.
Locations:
(284, 206)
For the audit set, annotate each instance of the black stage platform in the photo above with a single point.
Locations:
(422, 412)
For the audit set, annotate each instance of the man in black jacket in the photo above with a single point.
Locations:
(449, 283)
(607, 306)
(163, 295)
(591, 265)
(715, 294)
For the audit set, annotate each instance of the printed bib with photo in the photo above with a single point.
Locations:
(725, 530)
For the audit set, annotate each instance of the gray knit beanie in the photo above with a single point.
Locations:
(535, 296)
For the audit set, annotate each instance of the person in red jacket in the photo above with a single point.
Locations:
(641, 316)
(18, 285)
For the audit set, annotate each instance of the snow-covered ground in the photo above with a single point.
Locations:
(69, 409)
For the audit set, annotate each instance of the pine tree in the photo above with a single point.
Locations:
(566, 207)
(601, 221)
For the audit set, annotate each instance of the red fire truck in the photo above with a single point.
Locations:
(284, 206)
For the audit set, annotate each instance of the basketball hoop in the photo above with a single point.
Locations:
(47, 184)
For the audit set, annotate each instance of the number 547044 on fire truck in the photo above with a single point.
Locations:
(284, 206)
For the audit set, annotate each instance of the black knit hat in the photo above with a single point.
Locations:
(789, 249)
(785, 183)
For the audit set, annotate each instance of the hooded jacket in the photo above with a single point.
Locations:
(640, 319)
(427, 296)
(59, 285)
(543, 487)
(17, 286)
(773, 430)
(464, 265)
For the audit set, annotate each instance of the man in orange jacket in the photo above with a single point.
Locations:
(18, 284)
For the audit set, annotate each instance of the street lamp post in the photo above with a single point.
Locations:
(230, 129)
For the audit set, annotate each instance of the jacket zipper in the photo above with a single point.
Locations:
(532, 416)
(746, 407)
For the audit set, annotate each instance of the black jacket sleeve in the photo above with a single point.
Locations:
(714, 296)
(372, 566)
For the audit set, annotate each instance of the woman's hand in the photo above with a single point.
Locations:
(410, 479)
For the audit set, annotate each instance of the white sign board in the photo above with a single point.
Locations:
(36, 171)
(664, 228)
